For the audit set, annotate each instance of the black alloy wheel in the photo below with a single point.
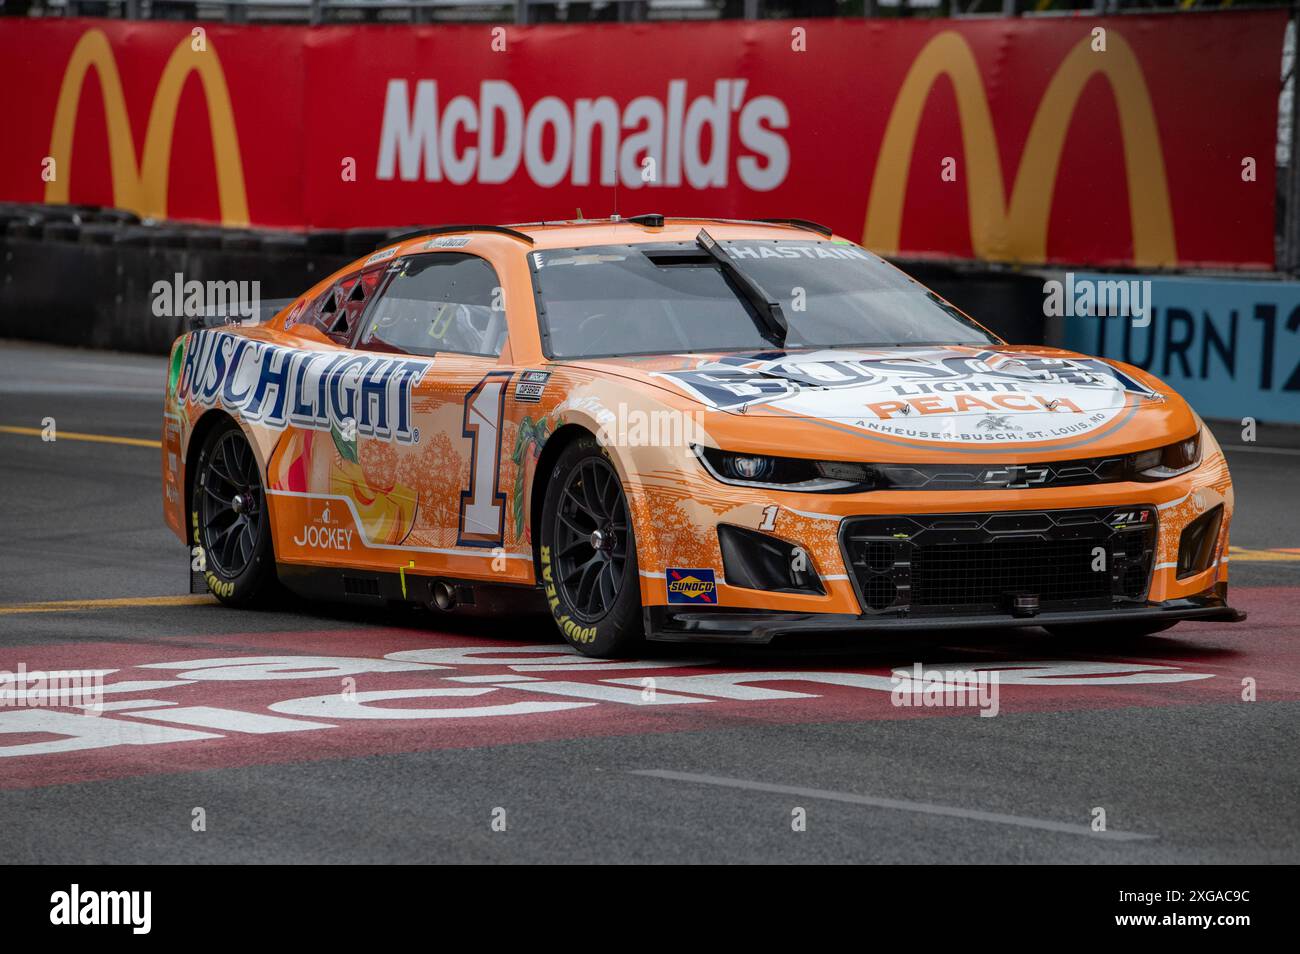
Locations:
(591, 539)
(230, 520)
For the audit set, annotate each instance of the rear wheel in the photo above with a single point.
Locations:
(589, 567)
(229, 519)
(1111, 632)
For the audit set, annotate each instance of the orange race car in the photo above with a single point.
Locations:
(684, 429)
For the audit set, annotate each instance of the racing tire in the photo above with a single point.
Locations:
(229, 519)
(588, 554)
(1110, 632)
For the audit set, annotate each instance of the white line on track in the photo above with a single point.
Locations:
(920, 808)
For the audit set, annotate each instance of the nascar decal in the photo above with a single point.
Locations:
(276, 386)
(691, 586)
(531, 386)
(941, 395)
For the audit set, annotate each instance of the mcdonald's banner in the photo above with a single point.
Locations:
(1127, 141)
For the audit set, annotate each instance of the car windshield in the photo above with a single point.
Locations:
(670, 298)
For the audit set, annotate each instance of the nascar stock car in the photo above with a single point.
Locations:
(683, 429)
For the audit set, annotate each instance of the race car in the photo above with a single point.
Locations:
(685, 430)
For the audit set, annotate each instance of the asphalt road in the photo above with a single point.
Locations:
(487, 741)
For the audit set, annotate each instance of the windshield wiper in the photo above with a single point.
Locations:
(771, 319)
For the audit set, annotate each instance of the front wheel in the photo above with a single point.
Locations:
(229, 519)
(588, 554)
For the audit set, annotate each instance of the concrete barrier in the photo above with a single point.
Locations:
(83, 276)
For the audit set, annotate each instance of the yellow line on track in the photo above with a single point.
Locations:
(1279, 555)
(80, 606)
(75, 436)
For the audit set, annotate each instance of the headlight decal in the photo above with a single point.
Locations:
(831, 476)
(1163, 463)
(784, 473)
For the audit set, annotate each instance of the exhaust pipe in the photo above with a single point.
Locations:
(444, 595)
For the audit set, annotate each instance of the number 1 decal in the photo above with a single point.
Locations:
(483, 506)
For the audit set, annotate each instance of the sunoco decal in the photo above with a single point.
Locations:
(691, 586)
(926, 395)
(276, 387)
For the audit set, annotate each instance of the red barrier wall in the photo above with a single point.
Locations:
(1007, 139)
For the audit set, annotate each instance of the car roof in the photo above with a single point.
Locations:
(674, 229)
(576, 233)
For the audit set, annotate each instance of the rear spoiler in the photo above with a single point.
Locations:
(267, 308)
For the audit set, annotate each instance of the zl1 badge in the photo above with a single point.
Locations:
(692, 586)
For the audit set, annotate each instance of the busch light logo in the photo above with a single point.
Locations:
(731, 381)
(276, 386)
(947, 395)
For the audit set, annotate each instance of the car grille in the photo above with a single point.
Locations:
(1064, 473)
(976, 563)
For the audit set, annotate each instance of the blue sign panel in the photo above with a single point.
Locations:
(1230, 347)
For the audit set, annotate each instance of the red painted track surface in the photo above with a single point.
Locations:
(244, 699)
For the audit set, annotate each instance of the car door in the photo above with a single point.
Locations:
(441, 489)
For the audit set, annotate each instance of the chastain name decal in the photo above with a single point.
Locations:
(796, 250)
(276, 387)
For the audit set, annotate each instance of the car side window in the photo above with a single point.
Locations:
(338, 311)
(439, 302)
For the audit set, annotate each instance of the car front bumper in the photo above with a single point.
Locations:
(750, 627)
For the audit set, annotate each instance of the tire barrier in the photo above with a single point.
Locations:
(84, 275)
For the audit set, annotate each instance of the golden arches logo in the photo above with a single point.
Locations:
(142, 187)
(1017, 231)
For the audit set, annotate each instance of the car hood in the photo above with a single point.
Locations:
(918, 400)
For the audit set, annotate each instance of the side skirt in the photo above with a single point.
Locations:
(384, 588)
